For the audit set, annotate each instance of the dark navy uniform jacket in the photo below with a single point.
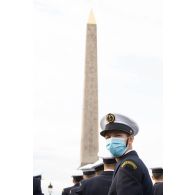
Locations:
(66, 191)
(37, 186)
(158, 188)
(131, 177)
(75, 188)
(73, 191)
(98, 185)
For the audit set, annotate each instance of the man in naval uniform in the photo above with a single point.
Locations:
(88, 172)
(131, 177)
(37, 185)
(100, 184)
(77, 176)
(157, 176)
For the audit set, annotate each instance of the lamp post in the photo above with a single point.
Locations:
(50, 187)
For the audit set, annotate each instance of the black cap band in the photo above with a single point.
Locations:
(157, 170)
(77, 177)
(99, 167)
(37, 176)
(109, 161)
(87, 172)
(117, 126)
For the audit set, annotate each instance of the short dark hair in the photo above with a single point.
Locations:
(157, 175)
(109, 161)
(157, 172)
(77, 179)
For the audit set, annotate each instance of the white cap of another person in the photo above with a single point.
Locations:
(107, 156)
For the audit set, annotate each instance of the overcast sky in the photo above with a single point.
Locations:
(129, 72)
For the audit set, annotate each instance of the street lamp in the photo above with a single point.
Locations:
(50, 187)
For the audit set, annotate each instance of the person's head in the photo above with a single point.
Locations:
(108, 159)
(128, 138)
(88, 171)
(98, 166)
(109, 164)
(99, 169)
(77, 176)
(88, 174)
(77, 179)
(157, 174)
(119, 132)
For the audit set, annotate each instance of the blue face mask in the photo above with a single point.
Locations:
(117, 146)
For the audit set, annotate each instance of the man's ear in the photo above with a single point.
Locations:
(131, 138)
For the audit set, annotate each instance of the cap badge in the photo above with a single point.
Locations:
(110, 118)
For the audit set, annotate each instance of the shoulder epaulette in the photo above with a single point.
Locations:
(129, 163)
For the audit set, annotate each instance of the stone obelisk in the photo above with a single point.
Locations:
(89, 136)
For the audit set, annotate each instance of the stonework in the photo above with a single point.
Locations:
(89, 136)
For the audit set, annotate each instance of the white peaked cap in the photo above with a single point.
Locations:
(105, 154)
(98, 162)
(113, 121)
(85, 167)
(77, 173)
(36, 173)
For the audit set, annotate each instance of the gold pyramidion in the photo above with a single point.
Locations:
(91, 19)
